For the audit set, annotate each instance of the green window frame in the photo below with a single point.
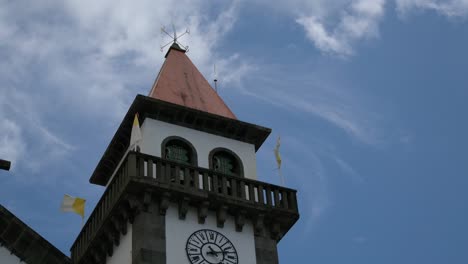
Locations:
(177, 152)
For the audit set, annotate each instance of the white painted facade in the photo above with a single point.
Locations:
(178, 231)
(122, 252)
(7, 258)
(154, 132)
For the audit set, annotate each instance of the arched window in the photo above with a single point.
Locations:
(180, 150)
(226, 161)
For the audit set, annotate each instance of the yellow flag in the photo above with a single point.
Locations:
(277, 153)
(135, 136)
(73, 204)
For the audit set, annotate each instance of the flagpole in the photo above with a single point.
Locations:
(281, 177)
(135, 139)
(118, 166)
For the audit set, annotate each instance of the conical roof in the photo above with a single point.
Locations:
(180, 82)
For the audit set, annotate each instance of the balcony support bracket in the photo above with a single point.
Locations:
(221, 216)
(183, 207)
(203, 212)
(240, 220)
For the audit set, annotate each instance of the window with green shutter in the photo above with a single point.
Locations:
(223, 164)
(178, 151)
(222, 160)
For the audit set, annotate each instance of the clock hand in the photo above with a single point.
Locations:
(212, 252)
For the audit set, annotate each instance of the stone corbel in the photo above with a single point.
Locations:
(106, 246)
(183, 207)
(97, 256)
(115, 222)
(221, 216)
(259, 225)
(146, 200)
(203, 212)
(88, 259)
(275, 231)
(111, 234)
(164, 203)
(240, 220)
(135, 207)
(110, 249)
(125, 217)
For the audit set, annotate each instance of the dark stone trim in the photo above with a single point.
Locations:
(149, 236)
(240, 220)
(25, 243)
(203, 212)
(183, 207)
(236, 157)
(193, 156)
(259, 225)
(164, 203)
(266, 251)
(221, 215)
(177, 115)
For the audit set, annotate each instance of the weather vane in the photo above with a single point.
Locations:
(174, 37)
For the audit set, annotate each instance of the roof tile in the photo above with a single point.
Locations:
(180, 82)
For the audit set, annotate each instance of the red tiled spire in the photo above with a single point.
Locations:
(180, 82)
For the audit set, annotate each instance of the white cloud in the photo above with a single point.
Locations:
(103, 53)
(25, 139)
(336, 26)
(450, 8)
(322, 39)
(11, 143)
(314, 185)
(89, 59)
(317, 96)
(359, 19)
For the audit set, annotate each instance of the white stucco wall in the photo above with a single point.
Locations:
(7, 258)
(154, 132)
(178, 231)
(122, 252)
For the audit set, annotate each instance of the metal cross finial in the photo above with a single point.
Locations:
(174, 37)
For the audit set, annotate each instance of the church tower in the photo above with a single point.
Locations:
(190, 194)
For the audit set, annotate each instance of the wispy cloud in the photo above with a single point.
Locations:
(87, 60)
(314, 185)
(11, 142)
(336, 103)
(25, 135)
(347, 169)
(358, 21)
(336, 27)
(449, 8)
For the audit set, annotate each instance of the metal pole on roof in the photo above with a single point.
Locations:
(5, 165)
(215, 79)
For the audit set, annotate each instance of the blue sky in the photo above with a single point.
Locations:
(369, 97)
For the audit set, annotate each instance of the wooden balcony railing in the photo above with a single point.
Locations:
(185, 180)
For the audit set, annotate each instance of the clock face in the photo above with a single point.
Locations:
(210, 247)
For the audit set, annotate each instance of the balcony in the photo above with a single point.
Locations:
(142, 179)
